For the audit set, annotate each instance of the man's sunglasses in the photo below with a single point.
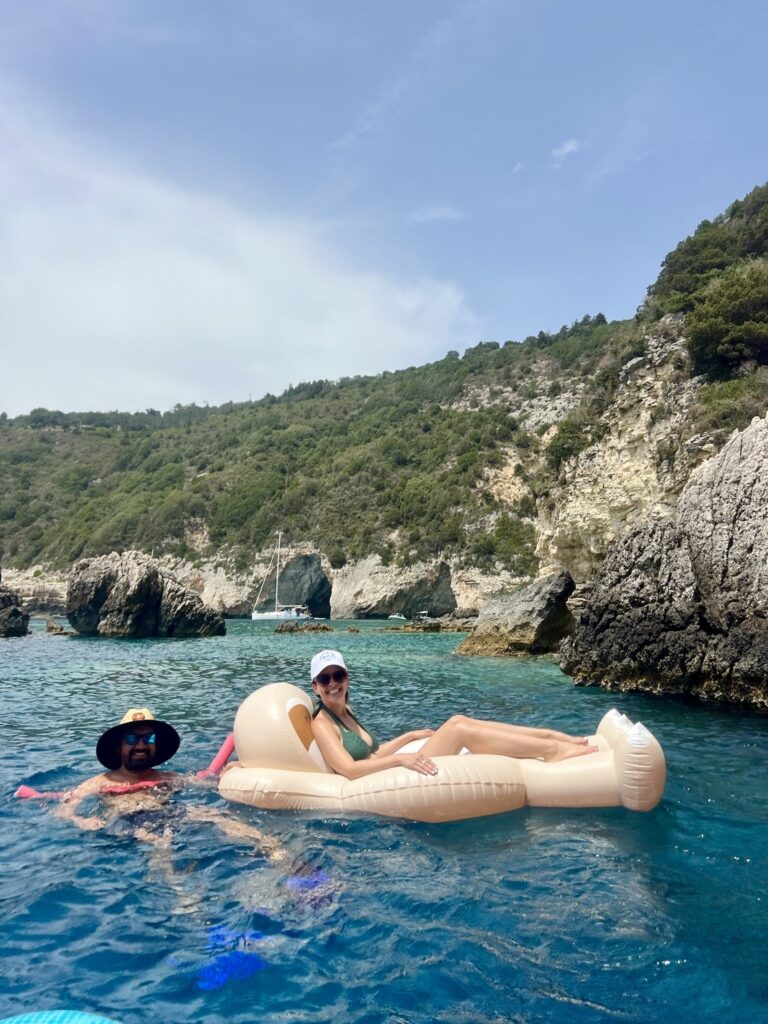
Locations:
(132, 738)
(325, 677)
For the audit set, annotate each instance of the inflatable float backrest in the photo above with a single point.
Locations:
(273, 729)
(640, 766)
(639, 762)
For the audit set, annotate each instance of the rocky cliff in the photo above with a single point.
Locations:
(40, 590)
(369, 590)
(681, 606)
(304, 580)
(636, 471)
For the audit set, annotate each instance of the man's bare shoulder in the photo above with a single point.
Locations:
(92, 785)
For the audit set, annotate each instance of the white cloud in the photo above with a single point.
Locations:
(569, 147)
(122, 291)
(428, 214)
(518, 167)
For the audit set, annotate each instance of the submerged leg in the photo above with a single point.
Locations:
(231, 826)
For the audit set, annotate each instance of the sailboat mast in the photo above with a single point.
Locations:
(277, 571)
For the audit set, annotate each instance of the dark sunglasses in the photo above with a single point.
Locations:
(131, 739)
(325, 677)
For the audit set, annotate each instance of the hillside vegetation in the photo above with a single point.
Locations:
(720, 276)
(400, 464)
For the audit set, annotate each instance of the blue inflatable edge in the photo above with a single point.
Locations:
(57, 1017)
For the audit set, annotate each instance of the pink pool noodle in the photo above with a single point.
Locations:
(28, 793)
(131, 787)
(221, 758)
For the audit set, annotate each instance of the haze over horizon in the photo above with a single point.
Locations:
(205, 204)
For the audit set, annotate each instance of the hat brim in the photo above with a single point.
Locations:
(167, 742)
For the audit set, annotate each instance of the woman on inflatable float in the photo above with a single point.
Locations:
(293, 755)
(352, 751)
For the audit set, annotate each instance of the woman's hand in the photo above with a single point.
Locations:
(418, 763)
(420, 734)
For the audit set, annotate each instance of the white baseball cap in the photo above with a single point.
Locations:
(322, 660)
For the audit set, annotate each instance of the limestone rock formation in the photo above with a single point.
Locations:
(219, 588)
(636, 472)
(370, 590)
(40, 591)
(682, 607)
(302, 581)
(130, 595)
(13, 619)
(532, 620)
(426, 625)
(473, 587)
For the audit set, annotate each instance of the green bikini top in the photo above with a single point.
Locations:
(353, 743)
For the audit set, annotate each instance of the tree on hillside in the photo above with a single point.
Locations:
(741, 232)
(730, 323)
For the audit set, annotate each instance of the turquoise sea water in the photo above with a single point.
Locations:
(538, 915)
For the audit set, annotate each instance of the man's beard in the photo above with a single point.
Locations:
(134, 762)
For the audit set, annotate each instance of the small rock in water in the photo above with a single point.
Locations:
(13, 619)
(303, 627)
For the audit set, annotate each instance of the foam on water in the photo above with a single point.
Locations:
(540, 915)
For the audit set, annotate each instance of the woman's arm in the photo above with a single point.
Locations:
(391, 746)
(338, 760)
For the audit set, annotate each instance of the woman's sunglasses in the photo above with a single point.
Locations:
(325, 677)
(131, 739)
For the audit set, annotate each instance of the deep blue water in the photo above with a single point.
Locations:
(540, 915)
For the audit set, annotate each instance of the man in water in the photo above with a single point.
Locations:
(136, 796)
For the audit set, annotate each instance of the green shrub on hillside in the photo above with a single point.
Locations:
(730, 322)
(511, 544)
(739, 233)
(724, 406)
(573, 436)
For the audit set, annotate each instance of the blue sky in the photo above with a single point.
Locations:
(206, 201)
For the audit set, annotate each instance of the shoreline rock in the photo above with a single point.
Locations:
(232, 593)
(14, 621)
(131, 595)
(532, 620)
(681, 607)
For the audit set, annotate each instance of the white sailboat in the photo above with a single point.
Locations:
(282, 611)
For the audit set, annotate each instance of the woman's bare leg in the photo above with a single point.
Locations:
(495, 738)
(530, 730)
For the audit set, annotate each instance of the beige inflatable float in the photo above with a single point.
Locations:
(279, 766)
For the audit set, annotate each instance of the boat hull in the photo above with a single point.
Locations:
(280, 616)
